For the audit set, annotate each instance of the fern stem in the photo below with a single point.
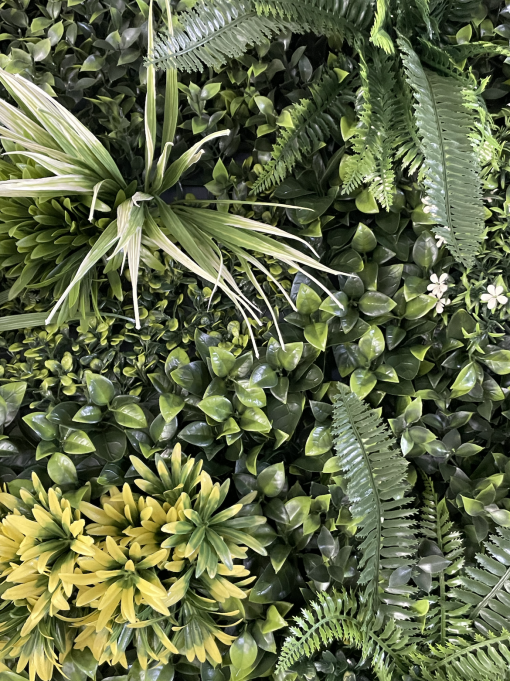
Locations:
(492, 594)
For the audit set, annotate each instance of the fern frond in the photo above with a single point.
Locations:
(480, 48)
(313, 120)
(452, 170)
(374, 141)
(375, 473)
(213, 31)
(440, 61)
(378, 35)
(329, 618)
(486, 588)
(483, 659)
(323, 17)
(336, 617)
(445, 619)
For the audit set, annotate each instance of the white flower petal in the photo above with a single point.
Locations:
(485, 297)
(434, 279)
(502, 300)
(498, 290)
(492, 303)
(491, 289)
(443, 278)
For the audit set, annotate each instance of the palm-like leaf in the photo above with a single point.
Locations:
(375, 473)
(452, 172)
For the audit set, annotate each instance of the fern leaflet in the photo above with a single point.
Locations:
(444, 619)
(375, 472)
(378, 35)
(313, 121)
(452, 172)
(374, 141)
(484, 659)
(486, 588)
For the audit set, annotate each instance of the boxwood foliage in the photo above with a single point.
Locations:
(423, 340)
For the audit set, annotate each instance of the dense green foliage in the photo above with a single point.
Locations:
(187, 493)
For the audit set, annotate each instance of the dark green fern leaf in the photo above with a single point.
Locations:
(375, 472)
(335, 617)
(481, 659)
(446, 619)
(313, 122)
(374, 141)
(452, 170)
(212, 31)
(486, 588)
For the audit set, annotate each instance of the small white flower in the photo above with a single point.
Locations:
(441, 239)
(441, 304)
(494, 296)
(438, 285)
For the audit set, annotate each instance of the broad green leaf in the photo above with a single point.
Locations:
(78, 442)
(374, 304)
(130, 416)
(307, 300)
(217, 407)
(100, 388)
(362, 382)
(43, 428)
(243, 652)
(271, 481)
(372, 343)
(250, 395)
(13, 394)
(62, 470)
(319, 441)
(254, 419)
(222, 361)
(317, 335)
(364, 239)
(170, 405)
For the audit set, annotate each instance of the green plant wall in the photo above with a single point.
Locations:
(322, 495)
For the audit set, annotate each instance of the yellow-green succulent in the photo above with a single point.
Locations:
(160, 568)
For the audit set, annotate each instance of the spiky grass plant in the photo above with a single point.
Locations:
(64, 159)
